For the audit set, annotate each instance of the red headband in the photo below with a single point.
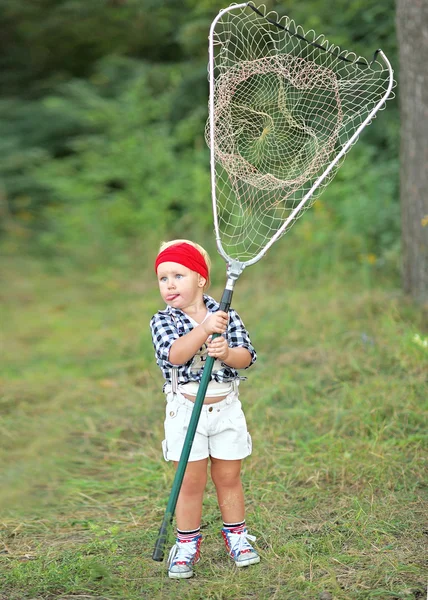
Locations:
(186, 255)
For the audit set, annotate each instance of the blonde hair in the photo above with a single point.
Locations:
(204, 253)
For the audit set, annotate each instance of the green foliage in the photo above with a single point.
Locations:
(363, 209)
(102, 151)
(120, 175)
(50, 41)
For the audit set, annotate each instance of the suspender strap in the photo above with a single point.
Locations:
(174, 380)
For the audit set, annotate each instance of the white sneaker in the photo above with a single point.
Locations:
(239, 548)
(183, 556)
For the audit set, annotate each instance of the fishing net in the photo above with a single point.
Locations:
(285, 107)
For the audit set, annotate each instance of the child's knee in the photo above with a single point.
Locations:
(195, 478)
(226, 473)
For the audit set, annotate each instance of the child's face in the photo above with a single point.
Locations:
(179, 286)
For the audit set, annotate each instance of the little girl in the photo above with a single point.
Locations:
(182, 340)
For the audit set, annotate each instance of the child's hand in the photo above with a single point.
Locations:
(218, 348)
(216, 323)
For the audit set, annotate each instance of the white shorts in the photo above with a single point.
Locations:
(221, 432)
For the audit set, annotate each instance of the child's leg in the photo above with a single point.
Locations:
(226, 475)
(185, 553)
(189, 504)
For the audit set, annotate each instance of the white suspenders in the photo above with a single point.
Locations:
(174, 380)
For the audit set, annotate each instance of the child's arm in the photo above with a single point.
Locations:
(185, 347)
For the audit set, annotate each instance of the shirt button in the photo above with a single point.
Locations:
(210, 409)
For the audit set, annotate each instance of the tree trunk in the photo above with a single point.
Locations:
(412, 33)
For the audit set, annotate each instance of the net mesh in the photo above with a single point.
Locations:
(283, 110)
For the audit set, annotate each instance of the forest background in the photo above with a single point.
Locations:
(103, 106)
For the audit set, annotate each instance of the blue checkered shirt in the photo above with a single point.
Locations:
(170, 324)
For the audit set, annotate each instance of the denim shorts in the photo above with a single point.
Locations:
(221, 432)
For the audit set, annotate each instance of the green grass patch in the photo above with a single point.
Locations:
(336, 487)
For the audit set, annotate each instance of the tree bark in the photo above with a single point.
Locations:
(412, 34)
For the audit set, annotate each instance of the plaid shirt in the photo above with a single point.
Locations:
(170, 324)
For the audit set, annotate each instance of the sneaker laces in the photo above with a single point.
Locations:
(183, 553)
(239, 542)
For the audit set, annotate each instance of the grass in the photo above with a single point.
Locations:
(336, 487)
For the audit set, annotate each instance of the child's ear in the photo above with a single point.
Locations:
(201, 281)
